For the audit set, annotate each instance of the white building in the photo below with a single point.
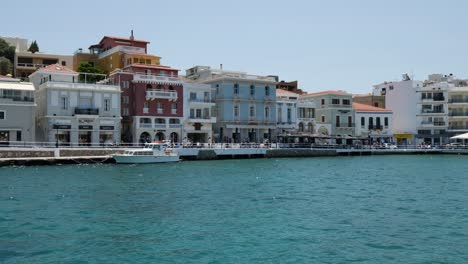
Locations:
(17, 110)
(401, 98)
(199, 112)
(74, 113)
(442, 109)
(286, 107)
(373, 123)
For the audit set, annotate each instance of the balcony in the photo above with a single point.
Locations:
(431, 124)
(159, 79)
(201, 101)
(202, 119)
(32, 66)
(86, 111)
(458, 127)
(18, 98)
(458, 101)
(430, 111)
(458, 114)
(161, 94)
(345, 125)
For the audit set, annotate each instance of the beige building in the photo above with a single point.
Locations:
(26, 62)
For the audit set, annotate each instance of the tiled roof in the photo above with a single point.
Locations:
(125, 39)
(57, 68)
(284, 92)
(159, 67)
(337, 92)
(368, 108)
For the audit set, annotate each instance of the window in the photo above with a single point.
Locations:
(337, 121)
(346, 101)
(386, 121)
(171, 88)
(350, 121)
(193, 96)
(124, 84)
(363, 121)
(64, 103)
(192, 113)
(64, 63)
(217, 89)
(159, 107)
(377, 122)
(125, 99)
(146, 108)
(323, 101)
(279, 115)
(198, 112)
(18, 135)
(252, 90)
(371, 122)
(267, 112)
(106, 104)
(267, 90)
(2, 115)
(148, 72)
(174, 108)
(236, 111)
(322, 119)
(252, 111)
(289, 115)
(335, 101)
(206, 113)
(125, 112)
(236, 88)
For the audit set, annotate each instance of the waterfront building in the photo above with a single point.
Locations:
(245, 103)
(442, 109)
(26, 62)
(373, 123)
(199, 112)
(334, 115)
(17, 110)
(71, 112)
(151, 98)
(400, 97)
(286, 108)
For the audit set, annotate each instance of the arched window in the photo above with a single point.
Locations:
(149, 87)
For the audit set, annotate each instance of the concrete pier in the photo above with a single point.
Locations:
(52, 156)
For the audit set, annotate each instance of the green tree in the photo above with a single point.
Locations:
(7, 51)
(34, 47)
(93, 73)
(6, 66)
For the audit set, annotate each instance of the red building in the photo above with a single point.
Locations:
(152, 103)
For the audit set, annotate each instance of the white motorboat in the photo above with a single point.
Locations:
(157, 152)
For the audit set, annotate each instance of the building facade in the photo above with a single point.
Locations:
(334, 115)
(373, 123)
(17, 110)
(152, 94)
(26, 62)
(75, 113)
(286, 112)
(199, 112)
(370, 99)
(401, 98)
(246, 104)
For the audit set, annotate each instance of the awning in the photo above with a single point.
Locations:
(461, 136)
(403, 136)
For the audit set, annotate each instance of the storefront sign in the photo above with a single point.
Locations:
(106, 127)
(62, 126)
(88, 127)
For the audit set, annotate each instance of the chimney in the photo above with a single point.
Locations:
(131, 36)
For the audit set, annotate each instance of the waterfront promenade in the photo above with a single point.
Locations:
(78, 155)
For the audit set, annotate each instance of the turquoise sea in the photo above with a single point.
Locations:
(373, 209)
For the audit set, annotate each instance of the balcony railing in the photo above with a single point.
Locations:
(86, 111)
(458, 114)
(31, 65)
(147, 78)
(458, 127)
(161, 94)
(18, 98)
(437, 123)
(454, 101)
(344, 125)
(201, 100)
(432, 111)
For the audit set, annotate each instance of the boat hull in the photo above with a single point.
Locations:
(127, 159)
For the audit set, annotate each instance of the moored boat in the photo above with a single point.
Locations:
(157, 152)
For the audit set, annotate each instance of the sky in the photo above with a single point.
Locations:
(325, 45)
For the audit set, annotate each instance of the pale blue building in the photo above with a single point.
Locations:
(245, 104)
